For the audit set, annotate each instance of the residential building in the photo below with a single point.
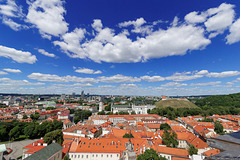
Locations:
(50, 152)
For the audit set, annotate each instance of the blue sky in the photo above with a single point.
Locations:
(118, 47)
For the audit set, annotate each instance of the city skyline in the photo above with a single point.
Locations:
(120, 47)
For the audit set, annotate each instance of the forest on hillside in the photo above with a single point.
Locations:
(220, 100)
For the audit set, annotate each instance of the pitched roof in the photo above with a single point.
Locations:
(46, 152)
(171, 151)
(211, 152)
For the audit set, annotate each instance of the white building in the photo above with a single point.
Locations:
(142, 109)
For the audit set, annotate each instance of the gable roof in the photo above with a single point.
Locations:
(46, 152)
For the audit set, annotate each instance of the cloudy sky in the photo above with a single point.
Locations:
(128, 47)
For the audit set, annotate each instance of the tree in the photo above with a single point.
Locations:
(25, 117)
(3, 133)
(50, 108)
(101, 113)
(34, 116)
(29, 131)
(170, 138)
(56, 135)
(128, 135)
(57, 124)
(81, 115)
(192, 150)
(150, 154)
(107, 108)
(165, 126)
(133, 113)
(110, 113)
(66, 158)
(218, 128)
(15, 132)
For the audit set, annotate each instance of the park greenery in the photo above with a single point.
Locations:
(150, 154)
(192, 150)
(165, 126)
(15, 129)
(35, 116)
(128, 135)
(231, 100)
(56, 135)
(218, 128)
(81, 115)
(169, 138)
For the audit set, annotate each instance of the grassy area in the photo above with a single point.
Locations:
(4, 142)
(174, 103)
(21, 137)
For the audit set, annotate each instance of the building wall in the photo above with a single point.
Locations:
(99, 121)
(182, 144)
(169, 157)
(94, 156)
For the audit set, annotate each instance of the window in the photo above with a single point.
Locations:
(93, 143)
(72, 156)
(96, 155)
(101, 155)
(75, 156)
(86, 156)
(93, 155)
(111, 156)
(107, 155)
(78, 156)
(82, 156)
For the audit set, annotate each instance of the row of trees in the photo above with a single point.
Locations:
(172, 113)
(80, 115)
(220, 100)
(31, 130)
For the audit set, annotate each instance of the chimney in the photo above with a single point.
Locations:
(33, 143)
(77, 140)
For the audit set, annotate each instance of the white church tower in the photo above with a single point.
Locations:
(100, 105)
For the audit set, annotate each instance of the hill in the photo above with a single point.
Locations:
(220, 100)
(174, 103)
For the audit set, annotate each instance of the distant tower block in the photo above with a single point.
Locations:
(100, 105)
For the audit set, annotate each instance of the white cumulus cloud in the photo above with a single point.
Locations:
(153, 78)
(3, 73)
(12, 70)
(234, 35)
(42, 51)
(107, 46)
(119, 79)
(174, 84)
(87, 71)
(16, 55)
(56, 78)
(47, 16)
(10, 9)
(206, 83)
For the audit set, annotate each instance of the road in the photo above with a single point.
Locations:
(17, 148)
